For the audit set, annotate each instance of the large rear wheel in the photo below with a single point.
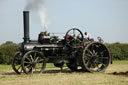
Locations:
(96, 57)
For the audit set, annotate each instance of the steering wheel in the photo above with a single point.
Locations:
(74, 37)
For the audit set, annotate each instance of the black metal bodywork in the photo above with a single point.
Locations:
(54, 47)
(72, 49)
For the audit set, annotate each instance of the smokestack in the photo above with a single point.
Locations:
(26, 26)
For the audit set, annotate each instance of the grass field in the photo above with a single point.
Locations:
(115, 74)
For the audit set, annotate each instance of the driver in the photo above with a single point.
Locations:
(88, 36)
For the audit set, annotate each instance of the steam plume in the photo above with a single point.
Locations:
(39, 7)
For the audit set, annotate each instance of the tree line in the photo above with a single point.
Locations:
(118, 51)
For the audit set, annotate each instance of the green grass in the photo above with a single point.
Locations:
(66, 77)
(49, 65)
(5, 67)
(9, 67)
(120, 62)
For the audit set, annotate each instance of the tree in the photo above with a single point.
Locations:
(119, 51)
(7, 51)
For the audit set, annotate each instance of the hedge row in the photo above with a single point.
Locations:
(119, 51)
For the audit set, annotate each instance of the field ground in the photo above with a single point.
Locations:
(115, 74)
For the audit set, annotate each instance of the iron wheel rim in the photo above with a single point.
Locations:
(16, 63)
(96, 57)
(33, 62)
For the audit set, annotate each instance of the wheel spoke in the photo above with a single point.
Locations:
(70, 41)
(89, 52)
(40, 60)
(102, 52)
(78, 40)
(27, 62)
(94, 53)
(28, 66)
(103, 57)
(88, 55)
(86, 58)
(31, 58)
(98, 62)
(19, 67)
(35, 56)
(74, 33)
(28, 59)
(36, 59)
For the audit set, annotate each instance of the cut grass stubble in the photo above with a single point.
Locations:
(53, 76)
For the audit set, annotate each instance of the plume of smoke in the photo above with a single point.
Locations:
(40, 8)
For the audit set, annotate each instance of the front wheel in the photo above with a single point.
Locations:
(33, 62)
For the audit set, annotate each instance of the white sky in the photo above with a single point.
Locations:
(105, 18)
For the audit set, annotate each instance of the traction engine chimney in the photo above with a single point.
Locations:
(26, 26)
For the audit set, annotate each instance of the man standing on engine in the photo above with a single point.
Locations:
(88, 36)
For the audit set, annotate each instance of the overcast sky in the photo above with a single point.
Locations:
(105, 18)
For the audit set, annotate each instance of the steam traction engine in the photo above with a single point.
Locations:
(73, 50)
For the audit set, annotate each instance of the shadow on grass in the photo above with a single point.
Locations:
(63, 71)
(8, 73)
(53, 71)
(58, 71)
(120, 73)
